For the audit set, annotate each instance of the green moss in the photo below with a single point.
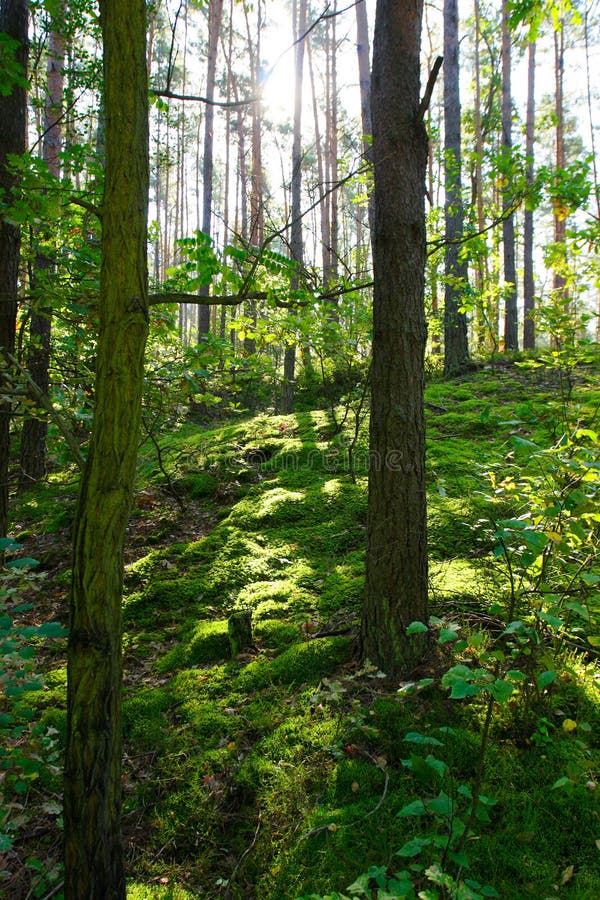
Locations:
(303, 663)
(144, 719)
(276, 635)
(140, 891)
(197, 486)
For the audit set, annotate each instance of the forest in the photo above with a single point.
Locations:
(299, 449)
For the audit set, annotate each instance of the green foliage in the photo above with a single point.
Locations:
(11, 71)
(27, 748)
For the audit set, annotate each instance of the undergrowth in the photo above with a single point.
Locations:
(291, 771)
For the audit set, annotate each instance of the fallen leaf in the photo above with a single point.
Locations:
(567, 874)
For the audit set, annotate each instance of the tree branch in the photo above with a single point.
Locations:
(224, 104)
(46, 403)
(424, 104)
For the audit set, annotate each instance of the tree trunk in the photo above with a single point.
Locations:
(92, 834)
(559, 281)
(511, 338)
(331, 146)
(215, 15)
(363, 53)
(296, 249)
(590, 107)
(528, 278)
(483, 311)
(456, 350)
(33, 436)
(13, 137)
(396, 564)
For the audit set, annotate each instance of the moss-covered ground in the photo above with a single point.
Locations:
(278, 773)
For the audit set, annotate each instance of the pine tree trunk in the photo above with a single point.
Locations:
(13, 137)
(92, 803)
(396, 564)
(456, 350)
(296, 248)
(559, 282)
(33, 436)
(511, 338)
(215, 15)
(528, 277)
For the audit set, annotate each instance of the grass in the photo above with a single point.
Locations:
(280, 773)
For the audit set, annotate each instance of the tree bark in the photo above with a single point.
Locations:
(559, 281)
(92, 833)
(396, 564)
(511, 338)
(296, 247)
(456, 350)
(215, 15)
(13, 137)
(528, 277)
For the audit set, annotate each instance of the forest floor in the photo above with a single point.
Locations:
(291, 769)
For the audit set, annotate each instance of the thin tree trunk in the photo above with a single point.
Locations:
(528, 277)
(13, 138)
(35, 429)
(296, 250)
(511, 337)
(323, 201)
(215, 15)
(559, 282)
(331, 143)
(92, 804)
(593, 141)
(481, 262)
(456, 351)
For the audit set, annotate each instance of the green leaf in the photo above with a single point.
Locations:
(53, 630)
(416, 808)
(26, 562)
(565, 781)
(416, 628)
(9, 544)
(5, 843)
(414, 847)
(462, 689)
(415, 737)
(551, 620)
(423, 770)
(442, 805)
(501, 690)
(545, 678)
(578, 609)
(446, 635)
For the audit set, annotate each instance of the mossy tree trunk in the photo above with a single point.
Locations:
(93, 851)
(396, 576)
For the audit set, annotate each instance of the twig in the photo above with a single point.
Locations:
(244, 854)
(55, 890)
(372, 812)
